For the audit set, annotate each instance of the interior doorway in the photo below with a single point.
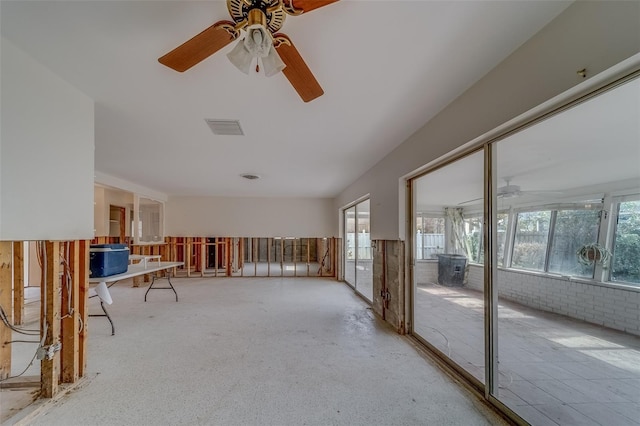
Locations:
(117, 222)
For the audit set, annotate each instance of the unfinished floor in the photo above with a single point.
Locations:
(257, 351)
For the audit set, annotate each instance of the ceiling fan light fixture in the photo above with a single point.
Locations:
(258, 41)
(241, 57)
(272, 63)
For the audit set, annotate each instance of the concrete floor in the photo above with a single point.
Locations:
(18, 392)
(257, 351)
(553, 370)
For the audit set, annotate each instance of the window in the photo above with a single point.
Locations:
(150, 221)
(530, 244)
(548, 240)
(503, 227)
(572, 230)
(626, 244)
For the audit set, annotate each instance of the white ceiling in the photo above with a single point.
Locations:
(386, 67)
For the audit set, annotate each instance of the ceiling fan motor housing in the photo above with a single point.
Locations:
(509, 191)
(267, 13)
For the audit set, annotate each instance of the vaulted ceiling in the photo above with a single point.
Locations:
(386, 68)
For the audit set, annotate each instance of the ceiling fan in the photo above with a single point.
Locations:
(511, 191)
(260, 21)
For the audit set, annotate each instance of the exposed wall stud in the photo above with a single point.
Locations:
(18, 282)
(50, 303)
(5, 301)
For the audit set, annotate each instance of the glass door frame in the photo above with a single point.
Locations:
(354, 205)
(615, 77)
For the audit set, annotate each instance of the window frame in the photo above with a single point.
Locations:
(616, 201)
(553, 209)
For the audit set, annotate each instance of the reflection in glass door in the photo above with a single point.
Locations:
(448, 302)
(358, 255)
(568, 345)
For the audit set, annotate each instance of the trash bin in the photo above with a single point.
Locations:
(451, 269)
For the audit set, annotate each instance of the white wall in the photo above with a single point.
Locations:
(249, 217)
(46, 161)
(591, 35)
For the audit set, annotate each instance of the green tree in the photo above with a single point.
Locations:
(626, 254)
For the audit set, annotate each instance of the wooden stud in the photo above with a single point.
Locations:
(83, 304)
(70, 354)
(269, 242)
(147, 250)
(254, 255)
(295, 258)
(187, 256)
(308, 255)
(281, 257)
(215, 256)
(5, 301)
(336, 260)
(18, 282)
(50, 303)
(239, 255)
(228, 244)
(136, 249)
(203, 256)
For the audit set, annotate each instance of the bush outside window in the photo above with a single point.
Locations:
(531, 236)
(626, 244)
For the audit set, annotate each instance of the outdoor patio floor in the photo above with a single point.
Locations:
(553, 370)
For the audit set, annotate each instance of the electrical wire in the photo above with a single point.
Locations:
(5, 319)
(44, 336)
(68, 279)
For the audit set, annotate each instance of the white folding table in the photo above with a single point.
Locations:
(136, 270)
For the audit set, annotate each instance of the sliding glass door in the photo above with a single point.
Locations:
(525, 264)
(448, 308)
(358, 258)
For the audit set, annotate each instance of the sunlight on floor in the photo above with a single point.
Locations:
(582, 341)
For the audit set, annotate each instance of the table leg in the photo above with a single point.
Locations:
(153, 280)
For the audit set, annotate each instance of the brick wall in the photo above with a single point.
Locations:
(426, 272)
(601, 304)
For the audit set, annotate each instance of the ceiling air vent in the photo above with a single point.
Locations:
(225, 127)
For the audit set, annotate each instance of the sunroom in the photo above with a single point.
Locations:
(550, 322)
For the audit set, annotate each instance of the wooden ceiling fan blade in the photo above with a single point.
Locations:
(201, 46)
(307, 6)
(296, 70)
